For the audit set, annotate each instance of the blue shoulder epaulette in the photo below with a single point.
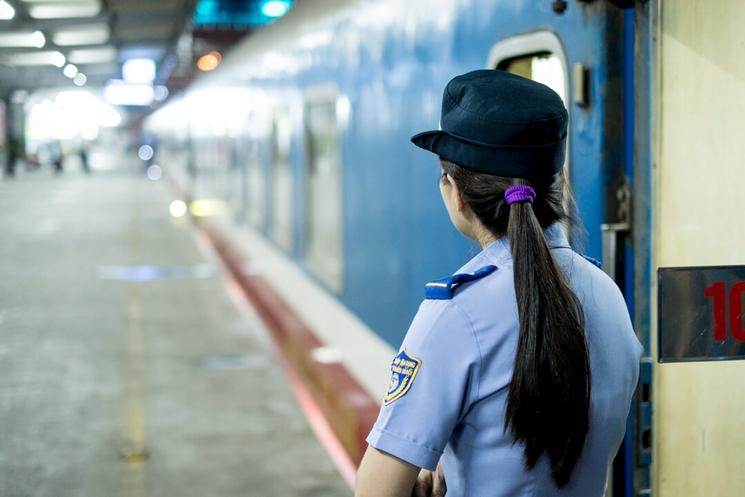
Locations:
(444, 289)
(594, 261)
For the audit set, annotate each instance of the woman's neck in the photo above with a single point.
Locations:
(484, 237)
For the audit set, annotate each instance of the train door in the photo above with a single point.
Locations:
(323, 213)
(595, 161)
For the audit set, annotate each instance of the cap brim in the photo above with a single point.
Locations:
(428, 140)
(438, 142)
(521, 161)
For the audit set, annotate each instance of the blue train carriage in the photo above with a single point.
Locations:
(303, 134)
(306, 137)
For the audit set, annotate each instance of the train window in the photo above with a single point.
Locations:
(323, 212)
(239, 183)
(539, 56)
(281, 211)
(543, 67)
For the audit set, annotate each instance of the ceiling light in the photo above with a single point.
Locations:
(118, 92)
(208, 62)
(38, 39)
(275, 8)
(79, 79)
(7, 12)
(21, 39)
(59, 59)
(92, 55)
(70, 71)
(139, 71)
(82, 35)
(141, 52)
(31, 59)
(55, 10)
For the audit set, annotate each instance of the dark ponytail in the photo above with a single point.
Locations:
(549, 398)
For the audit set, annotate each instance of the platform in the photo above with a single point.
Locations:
(125, 368)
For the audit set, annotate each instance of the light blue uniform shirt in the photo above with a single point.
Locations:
(449, 386)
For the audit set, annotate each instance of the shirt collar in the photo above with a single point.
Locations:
(499, 250)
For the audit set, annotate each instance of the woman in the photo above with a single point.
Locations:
(517, 373)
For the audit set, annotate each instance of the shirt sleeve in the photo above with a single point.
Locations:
(433, 381)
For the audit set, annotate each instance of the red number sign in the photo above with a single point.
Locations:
(718, 292)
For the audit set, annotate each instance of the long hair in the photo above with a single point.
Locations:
(548, 402)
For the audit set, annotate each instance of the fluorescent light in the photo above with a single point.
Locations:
(7, 12)
(32, 59)
(56, 10)
(79, 79)
(23, 39)
(92, 55)
(38, 39)
(275, 8)
(70, 71)
(59, 60)
(139, 71)
(118, 92)
(81, 35)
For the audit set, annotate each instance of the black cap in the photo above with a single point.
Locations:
(498, 123)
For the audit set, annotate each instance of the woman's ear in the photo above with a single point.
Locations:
(455, 197)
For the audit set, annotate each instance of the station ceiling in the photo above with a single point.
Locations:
(94, 35)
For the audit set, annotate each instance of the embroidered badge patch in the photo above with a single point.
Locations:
(403, 372)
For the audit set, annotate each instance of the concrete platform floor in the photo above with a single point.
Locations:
(125, 370)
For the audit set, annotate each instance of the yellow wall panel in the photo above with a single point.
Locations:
(699, 220)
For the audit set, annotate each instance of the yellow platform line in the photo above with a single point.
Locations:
(134, 452)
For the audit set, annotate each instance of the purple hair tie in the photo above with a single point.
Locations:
(519, 193)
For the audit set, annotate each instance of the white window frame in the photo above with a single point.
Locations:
(527, 44)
